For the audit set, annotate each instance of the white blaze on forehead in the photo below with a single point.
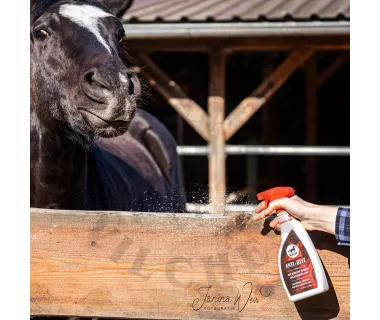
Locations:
(87, 17)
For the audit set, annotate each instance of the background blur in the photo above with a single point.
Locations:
(311, 107)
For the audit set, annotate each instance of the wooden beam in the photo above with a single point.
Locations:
(311, 126)
(216, 111)
(241, 44)
(250, 105)
(160, 266)
(171, 91)
(330, 70)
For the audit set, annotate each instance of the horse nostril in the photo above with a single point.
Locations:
(94, 78)
(96, 86)
(88, 77)
(131, 87)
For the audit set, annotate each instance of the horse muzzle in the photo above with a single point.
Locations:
(112, 96)
(101, 85)
(104, 126)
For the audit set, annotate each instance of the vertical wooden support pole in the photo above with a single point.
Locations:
(216, 111)
(311, 126)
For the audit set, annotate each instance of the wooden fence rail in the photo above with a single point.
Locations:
(171, 266)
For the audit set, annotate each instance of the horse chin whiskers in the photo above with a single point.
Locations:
(78, 131)
(112, 131)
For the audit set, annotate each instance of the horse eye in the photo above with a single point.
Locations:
(41, 34)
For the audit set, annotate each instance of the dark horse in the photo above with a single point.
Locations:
(91, 148)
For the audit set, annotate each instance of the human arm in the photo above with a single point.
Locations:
(342, 226)
(329, 219)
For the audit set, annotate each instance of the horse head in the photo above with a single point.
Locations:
(79, 81)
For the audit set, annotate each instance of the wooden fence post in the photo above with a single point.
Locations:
(216, 111)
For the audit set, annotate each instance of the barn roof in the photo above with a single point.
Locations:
(155, 19)
(237, 10)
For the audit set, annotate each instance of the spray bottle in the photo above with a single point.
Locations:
(301, 269)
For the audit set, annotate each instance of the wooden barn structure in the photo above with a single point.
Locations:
(300, 29)
(184, 266)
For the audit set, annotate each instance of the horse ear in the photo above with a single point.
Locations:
(118, 7)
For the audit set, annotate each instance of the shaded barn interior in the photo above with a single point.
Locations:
(187, 41)
(280, 122)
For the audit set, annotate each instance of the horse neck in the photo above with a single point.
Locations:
(58, 170)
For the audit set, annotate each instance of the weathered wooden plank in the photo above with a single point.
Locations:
(145, 265)
(172, 92)
(250, 105)
(216, 111)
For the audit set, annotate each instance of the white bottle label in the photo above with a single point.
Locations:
(296, 266)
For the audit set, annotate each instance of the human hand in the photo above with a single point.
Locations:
(312, 216)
